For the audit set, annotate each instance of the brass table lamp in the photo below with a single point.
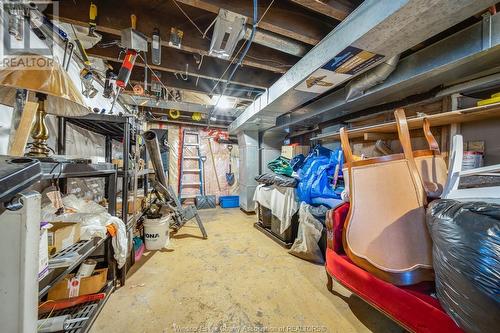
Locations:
(54, 90)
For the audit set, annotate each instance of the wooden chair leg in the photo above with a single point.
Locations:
(329, 283)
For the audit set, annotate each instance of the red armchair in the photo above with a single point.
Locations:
(411, 307)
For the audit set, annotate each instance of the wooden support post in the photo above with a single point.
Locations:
(23, 130)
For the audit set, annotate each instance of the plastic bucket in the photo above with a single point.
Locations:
(156, 233)
(472, 160)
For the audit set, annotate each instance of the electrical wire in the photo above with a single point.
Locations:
(156, 76)
(190, 20)
(277, 63)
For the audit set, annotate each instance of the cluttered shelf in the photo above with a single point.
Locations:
(82, 315)
(112, 126)
(440, 119)
(83, 250)
(139, 173)
(59, 170)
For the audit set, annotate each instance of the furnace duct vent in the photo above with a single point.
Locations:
(228, 30)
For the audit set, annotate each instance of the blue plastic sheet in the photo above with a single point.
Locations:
(317, 175)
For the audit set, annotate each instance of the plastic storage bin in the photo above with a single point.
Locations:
(229, 201)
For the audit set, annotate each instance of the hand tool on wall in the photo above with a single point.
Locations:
(126, 69)
(92, 19)
(108, 86)
(85, 57)
(230, 174)
(134, 42)
(156, 47)
(213, 162)
(69, 48)
(87, 78)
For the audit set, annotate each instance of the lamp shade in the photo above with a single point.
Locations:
(40, 74)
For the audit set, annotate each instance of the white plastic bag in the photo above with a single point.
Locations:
(308, 235)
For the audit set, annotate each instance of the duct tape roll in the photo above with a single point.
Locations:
(174, 114)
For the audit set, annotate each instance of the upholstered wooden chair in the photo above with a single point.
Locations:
(385, 231)
(431, 165)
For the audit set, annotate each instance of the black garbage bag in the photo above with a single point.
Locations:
(466, 258)
(272, 178)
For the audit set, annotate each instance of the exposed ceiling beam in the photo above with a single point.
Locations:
(457, 56)
(193, 84)
(175, 61)
(336, 9)
(283, 18)
(380, 27)
(221, 119)
(145, 101)
(115, 16)
(190, 123)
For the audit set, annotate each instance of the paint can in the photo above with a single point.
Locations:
(86, 268)
(472, 160)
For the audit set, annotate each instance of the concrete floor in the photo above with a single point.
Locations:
(238, 280)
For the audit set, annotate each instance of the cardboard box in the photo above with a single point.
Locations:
(133, 207)
(291, 151)
(43, 251)
(88, 285)
(62, 235)
(117, 162)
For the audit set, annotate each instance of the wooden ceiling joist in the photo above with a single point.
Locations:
(175, 61)
(114, 16)
(284, 18)
(337, 9)
(193, 84)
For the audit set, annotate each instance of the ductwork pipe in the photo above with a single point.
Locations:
(358, 86)
(153, 148)
(277, 42)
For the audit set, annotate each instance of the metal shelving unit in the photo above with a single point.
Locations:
(86, 310)
(84, 248)
(60, 171)
(113, 127)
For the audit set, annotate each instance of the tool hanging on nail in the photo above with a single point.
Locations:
(83, 53)
(92, 19)
(87, 78)
(134, 42)
(69, 47)
(126, 69)
(156, 47)
(108, 85)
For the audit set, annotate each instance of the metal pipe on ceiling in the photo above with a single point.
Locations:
(277, 42)
(459, 55)
(376, 30)
(358, 86)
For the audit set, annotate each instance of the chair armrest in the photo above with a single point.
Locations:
(335, 219)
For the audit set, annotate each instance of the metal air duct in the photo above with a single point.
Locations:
(358, 86)
(153, 148)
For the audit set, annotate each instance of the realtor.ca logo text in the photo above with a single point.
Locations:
(27, 30)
